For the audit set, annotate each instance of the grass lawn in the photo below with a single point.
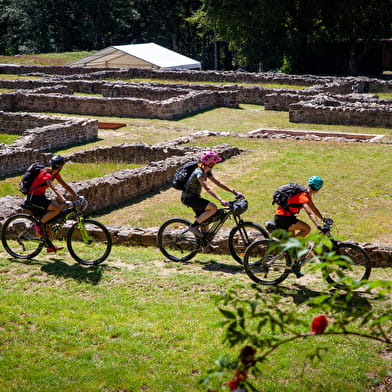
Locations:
(355, 195)
(139, 323)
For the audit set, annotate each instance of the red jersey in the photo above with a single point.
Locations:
(41, 179)
(299, 198)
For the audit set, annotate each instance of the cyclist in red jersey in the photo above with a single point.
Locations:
(37, 198)
(286, 218)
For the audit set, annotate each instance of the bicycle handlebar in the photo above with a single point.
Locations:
(80, 201)
(327, 225)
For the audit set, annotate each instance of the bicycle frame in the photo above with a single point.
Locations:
(223, 215)
(58, 222)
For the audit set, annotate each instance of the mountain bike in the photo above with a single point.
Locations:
(266, 264)
(177, 243)
(88, 241)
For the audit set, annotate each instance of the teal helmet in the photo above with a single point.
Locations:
(315, 182)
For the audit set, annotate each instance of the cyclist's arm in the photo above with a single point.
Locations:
(67, 188)
(55, 190)
(50, 182)
(224, 186)
(313, 212)
(203, 182)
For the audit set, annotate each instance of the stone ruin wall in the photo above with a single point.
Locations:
(40, 133)
(153, 176)
(324, 110)
(125, 185)
(168, 109)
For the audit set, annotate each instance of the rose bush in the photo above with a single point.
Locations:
(259, 324)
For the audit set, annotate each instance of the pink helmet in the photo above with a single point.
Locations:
(210, 157)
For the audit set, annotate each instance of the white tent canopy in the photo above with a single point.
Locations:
(137, 56)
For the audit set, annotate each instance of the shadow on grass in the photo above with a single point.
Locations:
(59, 269)
(300, 294)
(213, 265)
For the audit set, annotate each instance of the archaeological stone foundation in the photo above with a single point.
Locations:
(108, 92)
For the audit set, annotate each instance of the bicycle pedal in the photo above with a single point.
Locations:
(296, 269)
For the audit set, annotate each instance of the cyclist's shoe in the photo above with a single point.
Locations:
(39, 229)
(54, 249)
(209, 249)
(196, 231)
(297, 270)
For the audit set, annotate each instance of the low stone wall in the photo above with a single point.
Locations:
(125, 185)
(146, 73)
(40, 133)
(328, 110)
(137, 153)
(171, 108)
(380, 255)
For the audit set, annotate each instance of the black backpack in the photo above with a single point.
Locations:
(283, 194)
(182, 174)
(29, 176)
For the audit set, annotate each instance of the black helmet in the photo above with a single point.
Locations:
(57, 161)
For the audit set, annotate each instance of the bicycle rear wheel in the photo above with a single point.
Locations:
(359, 265)
(89, 242)
(19, 238)
(175, 241)
(264, 265)
(242, 236)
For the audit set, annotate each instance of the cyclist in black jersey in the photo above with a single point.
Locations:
(191, 196)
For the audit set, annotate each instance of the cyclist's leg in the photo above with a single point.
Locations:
(209, 210)
(293, 225)
(299, 229)
(39, 206)
(53, 210)
(203, 208)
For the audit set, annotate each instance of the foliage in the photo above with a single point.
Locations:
(267, 31)
(260, 324)
(224, 34)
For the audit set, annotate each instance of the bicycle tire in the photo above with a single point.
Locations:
(359, 270)
(19, 238)
(241, 236)
(175, 241)
(92, 250)
(266, 267)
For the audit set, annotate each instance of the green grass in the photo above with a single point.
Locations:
(384, 95)
(16, 77)
(7, 138)
(266, 85)
(356, 194)
(138, 323)
(357, 175)
(49, 59)
(244, 119)
(72, 172)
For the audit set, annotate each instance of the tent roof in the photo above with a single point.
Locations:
(151, 53)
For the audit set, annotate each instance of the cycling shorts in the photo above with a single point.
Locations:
(284, 222)
(197, 203)
(39, 202)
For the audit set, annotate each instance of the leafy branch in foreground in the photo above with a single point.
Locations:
(259, 323)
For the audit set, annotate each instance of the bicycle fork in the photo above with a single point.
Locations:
(83, 232)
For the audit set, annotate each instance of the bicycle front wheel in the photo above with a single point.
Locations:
(264, 265)
(175, 241)
(89, 242)
(19, 238)
(242, 236)
(359, 265)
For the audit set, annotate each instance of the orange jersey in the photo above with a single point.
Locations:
(299, 198)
